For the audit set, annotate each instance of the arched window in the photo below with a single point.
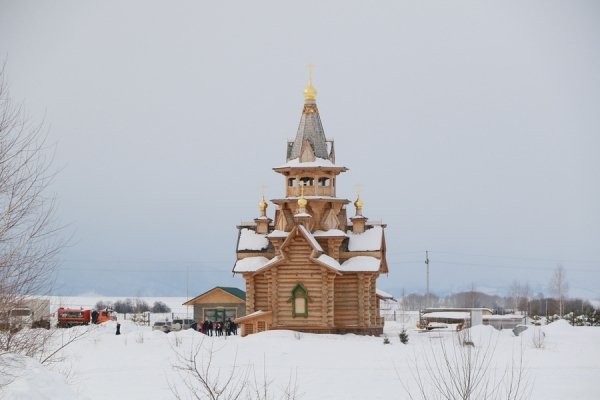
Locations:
(308, 181)
(324, 181)
(299, 301)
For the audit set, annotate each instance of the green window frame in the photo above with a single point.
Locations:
(299, 301)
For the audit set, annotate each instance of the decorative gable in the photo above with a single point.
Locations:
(330, 220)
(306, 153)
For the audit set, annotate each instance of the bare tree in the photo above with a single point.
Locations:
(559, 287)
(514, 294)
(519, 296)
(28, 238)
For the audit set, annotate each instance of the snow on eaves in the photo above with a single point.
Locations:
(354, 264)
(369, 240)
(278, 234)
(330, 233)
(361, 264)
(253, 264)
(250, 264)
(319, 162)
(302, 215)
(330, 261)
(383, 294)
(250, 240)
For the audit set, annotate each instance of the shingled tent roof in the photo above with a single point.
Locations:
(310, 129)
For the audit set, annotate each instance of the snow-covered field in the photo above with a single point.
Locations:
(139, 364)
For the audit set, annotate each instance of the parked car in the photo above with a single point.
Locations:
(164, 326)
(180, 324)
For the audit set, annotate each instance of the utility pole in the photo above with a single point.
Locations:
(187, 289)
(427, 287)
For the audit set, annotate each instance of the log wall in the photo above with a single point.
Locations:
(346, 301)
(337, 303)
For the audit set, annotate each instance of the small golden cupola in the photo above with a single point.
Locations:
(310, 93)
(262, 207)
(302, 217)
(358, 221)
(359, 205)
(262, 222)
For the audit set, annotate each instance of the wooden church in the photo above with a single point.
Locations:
(311, 268)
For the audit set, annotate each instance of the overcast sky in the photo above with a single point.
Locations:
(474, 128)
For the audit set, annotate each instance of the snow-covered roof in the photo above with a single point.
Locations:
(319, 162)
(304, 214)
(505, 317)
(361, 263)
(467, 316)
(369, 240)
(448, 315)
(253, 264)
(330, 233)
(330, 261)
(255, 314)
(383, 294)
(354, 264)
(250, 264)
(278, 234)
(250, 240)
(311, 238)
(259, 312)
(332, 198)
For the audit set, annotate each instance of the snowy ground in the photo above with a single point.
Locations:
(139, 363)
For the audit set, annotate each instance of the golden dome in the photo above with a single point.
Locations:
(358, 203)
(262, 205)
(310, 93)
(302, 202)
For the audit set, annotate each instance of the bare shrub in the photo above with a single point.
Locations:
(203, 380)
(140, 338)
(457, 371)
(538, 337)
(178, 340)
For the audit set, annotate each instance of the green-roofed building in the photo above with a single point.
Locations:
(219, 304)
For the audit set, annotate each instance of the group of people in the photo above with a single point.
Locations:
(218, 328)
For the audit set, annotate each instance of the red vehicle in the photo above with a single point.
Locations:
(68, 317)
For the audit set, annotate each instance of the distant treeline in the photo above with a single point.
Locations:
(535, 305)
(133, 306)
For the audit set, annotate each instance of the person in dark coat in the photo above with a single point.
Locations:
(118, 329)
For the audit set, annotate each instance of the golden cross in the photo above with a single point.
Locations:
(358, 189)
(310, 73)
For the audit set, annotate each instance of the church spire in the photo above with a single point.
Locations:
(310, 142)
